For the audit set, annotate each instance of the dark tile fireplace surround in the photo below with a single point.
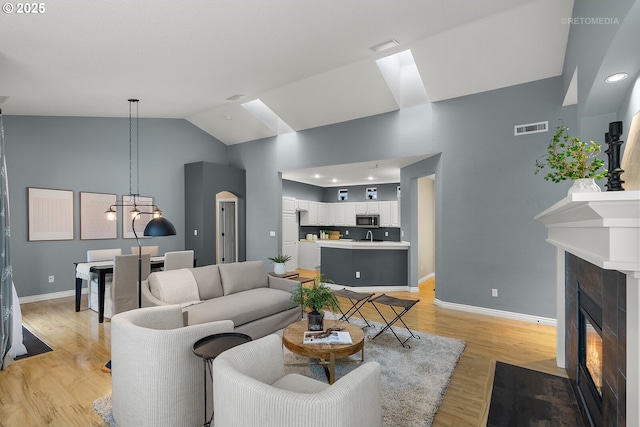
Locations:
(601, 296)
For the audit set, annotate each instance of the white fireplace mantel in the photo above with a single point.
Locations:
(603, 229)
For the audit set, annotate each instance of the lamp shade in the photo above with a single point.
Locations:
(159, 227)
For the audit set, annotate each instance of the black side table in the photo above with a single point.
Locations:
(208, 348)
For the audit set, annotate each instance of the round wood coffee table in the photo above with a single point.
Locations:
(327, 353)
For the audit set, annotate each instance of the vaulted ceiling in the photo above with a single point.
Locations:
(307, 60)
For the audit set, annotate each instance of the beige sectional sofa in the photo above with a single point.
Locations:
(257, 303)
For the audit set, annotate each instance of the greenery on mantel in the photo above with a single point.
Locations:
(570, 158)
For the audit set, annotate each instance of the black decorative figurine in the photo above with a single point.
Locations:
(612, 138)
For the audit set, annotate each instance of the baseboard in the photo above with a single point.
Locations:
(52, 295)
(496, 313)
(374, 289)
(427, 277)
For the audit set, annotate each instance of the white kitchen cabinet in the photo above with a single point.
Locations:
(302, 205)
(350, 214)
(323, 217)
(344, 213)
(307, 255)
(395, 214)
(289, 205)
(338, 213)
(310, 217)
(290, 239)
(385, 214)
(367, 208)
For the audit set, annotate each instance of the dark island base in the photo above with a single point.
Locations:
(377, 267)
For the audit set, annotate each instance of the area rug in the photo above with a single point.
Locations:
(414, 380)
(523, 397)
(33, 344)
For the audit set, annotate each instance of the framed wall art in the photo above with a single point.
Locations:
(50, 214)
(94, 224)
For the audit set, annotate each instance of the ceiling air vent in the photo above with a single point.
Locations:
(531, 128)
(3, 99)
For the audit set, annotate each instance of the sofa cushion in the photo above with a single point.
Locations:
(174, 286)
(242, 307)
(208, 280)
(242, 276)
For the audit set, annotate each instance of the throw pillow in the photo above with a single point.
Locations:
(174, 287)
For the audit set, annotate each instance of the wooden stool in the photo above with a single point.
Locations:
(392, 302)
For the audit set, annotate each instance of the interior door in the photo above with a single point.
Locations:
(227, 232)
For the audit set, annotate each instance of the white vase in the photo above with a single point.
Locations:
(584, 185)
(278, 268)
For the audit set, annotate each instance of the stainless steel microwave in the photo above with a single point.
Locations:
(368, 221)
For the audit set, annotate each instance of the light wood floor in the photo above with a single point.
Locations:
(58, 388)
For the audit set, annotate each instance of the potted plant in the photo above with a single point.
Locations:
(278, 263)
(316, 298)
(570, 158)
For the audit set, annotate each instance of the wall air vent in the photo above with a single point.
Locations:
(531, 128)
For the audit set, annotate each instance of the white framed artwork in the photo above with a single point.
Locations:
(50, 214)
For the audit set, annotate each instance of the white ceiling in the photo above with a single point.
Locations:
(307, 60)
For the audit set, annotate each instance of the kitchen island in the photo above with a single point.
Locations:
(358, 263)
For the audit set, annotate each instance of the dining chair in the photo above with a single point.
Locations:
(178, 259)
(121, 293)
(151, 250)
(95, 255)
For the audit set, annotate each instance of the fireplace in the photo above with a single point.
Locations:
(596, 340)
(597, 239)
(590, 358)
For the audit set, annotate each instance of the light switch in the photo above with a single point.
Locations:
(272, 233)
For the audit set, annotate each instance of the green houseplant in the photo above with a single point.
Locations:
(279, 262)
(316, 298)
(570, 158)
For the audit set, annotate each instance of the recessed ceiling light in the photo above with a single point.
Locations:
(334, 180)
(370, 178)
(616, 77)
(384, 46)
(316, 176)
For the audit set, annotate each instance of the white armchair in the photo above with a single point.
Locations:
(250, 388)
(156, 379)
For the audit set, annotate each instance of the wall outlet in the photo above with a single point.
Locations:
(195, 232)
(346, 232)
(52, 279)
(272, 233)
(494, 292)
(357, 274)
(386, 234)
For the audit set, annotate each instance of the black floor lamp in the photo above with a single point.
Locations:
(158, 226)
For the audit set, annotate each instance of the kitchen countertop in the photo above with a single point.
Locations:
(360, 244)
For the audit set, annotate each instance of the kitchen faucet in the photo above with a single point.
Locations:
(369, 235)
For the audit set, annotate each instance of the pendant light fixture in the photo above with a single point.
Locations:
(158, 226)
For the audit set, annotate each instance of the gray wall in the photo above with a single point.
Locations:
(357, 193)
(486, 192)
(92, 154)
(302, 191)
(203, 181)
